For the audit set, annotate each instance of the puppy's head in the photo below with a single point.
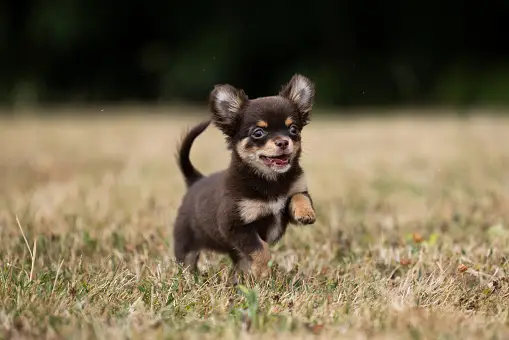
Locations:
(264, 132)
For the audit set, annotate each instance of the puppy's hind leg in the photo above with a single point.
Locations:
(191, 260)
(188, 258)
(185, 245)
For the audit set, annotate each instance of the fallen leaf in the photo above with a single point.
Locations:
(275, 310)
(462, 268)
(405, 261)
(417, 237)
(316, 328)
(433, 239)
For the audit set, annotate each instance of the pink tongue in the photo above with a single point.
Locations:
(278, 161)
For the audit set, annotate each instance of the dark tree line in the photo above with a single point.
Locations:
(358, 52)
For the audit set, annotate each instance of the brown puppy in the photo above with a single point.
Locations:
(245, 208)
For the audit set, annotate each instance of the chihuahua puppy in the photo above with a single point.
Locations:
(243, 209)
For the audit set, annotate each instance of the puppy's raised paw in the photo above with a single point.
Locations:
(302, 210)
(305, 215)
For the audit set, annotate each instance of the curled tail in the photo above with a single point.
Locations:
(190, 173)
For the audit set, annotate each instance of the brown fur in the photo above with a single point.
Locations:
(262, 124)
(243, 209)
(301, 206)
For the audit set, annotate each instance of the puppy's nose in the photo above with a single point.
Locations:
(282, 143)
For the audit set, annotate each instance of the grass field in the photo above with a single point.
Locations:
(411, 241)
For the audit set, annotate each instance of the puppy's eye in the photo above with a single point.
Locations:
(294, 130)
(258, 133)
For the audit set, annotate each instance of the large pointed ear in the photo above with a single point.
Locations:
(301, 91)
(226, 102)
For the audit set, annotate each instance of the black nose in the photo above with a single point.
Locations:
(282, 143)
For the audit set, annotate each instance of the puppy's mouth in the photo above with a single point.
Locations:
(275, 161)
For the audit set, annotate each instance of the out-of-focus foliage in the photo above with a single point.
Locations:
(358, 52)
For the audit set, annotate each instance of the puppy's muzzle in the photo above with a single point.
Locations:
(282, 143)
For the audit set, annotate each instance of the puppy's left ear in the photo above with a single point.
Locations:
(300, 91)
(226, 102)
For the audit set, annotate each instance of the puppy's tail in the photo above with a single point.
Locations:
(190, 173)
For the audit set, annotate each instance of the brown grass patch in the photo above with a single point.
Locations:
(411, 238)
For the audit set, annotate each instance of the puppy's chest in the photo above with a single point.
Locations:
(251, 210)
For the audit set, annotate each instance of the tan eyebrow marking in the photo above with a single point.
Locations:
(288, 121)
(262, 124)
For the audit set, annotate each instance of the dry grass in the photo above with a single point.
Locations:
(412, 237)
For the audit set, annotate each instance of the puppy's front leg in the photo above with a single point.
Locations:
(260, 260)
(301, 208)
(255, 252)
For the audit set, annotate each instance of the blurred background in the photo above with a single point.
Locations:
(360, 53)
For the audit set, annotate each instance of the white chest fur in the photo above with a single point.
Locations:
(251, 210)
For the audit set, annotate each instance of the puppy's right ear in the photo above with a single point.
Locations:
(301, 91)
(226, 102)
